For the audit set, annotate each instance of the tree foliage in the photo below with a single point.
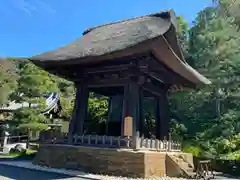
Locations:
(34, 83)
(8, 80)
(211, 116)
(30, 119)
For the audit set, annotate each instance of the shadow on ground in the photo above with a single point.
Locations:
(10, 172)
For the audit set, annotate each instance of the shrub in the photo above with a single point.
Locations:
(194, 150)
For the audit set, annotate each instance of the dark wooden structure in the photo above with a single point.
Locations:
(204, 170)
(127, 61)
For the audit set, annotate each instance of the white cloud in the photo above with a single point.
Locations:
(28, 7)
(24, 6)
(46, 7)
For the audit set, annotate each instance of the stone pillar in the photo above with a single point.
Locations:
(79, 112)
(162, 117)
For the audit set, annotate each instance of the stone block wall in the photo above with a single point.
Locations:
(102, 161)
(115, 162)
(154, 164)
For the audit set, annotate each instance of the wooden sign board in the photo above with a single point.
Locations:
(128, 122)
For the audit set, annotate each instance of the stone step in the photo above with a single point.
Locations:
(189, 170)
(184, 164)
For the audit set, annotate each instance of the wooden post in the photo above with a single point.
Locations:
(124, 108)
(79, 112)
(115, 115)
(109, 114)
(140, 109)
(162, 117)
(131, 109)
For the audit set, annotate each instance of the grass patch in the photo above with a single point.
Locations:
(27, 154)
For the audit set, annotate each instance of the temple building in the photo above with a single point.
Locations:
(126, 61)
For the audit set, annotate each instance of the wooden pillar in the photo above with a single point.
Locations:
(115, 116)
(162, 117)
(109, 114)
(124, 108)
(79, 112)
(131, 108)
(141, 115)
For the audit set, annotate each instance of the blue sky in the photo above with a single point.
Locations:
(30, 27)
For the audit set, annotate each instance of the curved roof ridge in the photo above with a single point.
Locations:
(162, 14)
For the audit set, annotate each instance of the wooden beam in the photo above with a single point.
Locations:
(153, 89)
(107, 82)
(107, 69)
(161, 71)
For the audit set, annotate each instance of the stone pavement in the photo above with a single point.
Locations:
(11, 172)
(22, 166)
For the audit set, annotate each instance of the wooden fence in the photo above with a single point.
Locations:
(126, 142)
(105, 141)
(137, 142)
(155, 144)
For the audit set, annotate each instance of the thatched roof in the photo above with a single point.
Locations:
(155, 32)
(111, 37)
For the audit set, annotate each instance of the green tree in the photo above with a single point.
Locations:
(97, 112)
(182, 33)
(30, 119)
(33, 84)
(67, 93)
(211, 115)
(229, 8)
(8, 80)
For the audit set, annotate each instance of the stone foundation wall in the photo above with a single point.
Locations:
(115, 162)
(154, 164)
(102, 161)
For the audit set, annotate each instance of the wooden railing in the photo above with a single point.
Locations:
(127, 142)
(138, 143)
(105, 141)
(155, 144)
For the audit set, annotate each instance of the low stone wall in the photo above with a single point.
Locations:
(102, 161)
